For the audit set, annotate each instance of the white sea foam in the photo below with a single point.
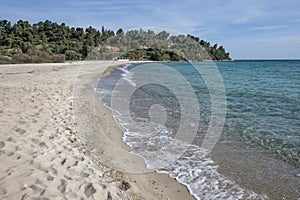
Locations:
(127, 75)
(186, 163)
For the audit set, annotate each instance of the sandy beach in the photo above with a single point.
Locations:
(58, 142)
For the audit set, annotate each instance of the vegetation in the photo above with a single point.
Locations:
(148, 45)
(51, 42)
(162, 47)
(154, 55)
(46, 41)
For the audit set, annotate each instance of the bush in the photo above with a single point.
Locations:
(72, 55)
(59, 58)
(32, 56)
(5, 59)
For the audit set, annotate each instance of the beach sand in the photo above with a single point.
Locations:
(58, 142)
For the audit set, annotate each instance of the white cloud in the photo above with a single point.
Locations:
(267, 28)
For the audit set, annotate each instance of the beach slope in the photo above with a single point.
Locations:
(46, 154)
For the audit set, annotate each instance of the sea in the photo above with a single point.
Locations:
(175, 114)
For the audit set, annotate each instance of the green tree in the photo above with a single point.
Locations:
(120, 32)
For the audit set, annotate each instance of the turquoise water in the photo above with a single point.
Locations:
(263, 104)
(263, 100)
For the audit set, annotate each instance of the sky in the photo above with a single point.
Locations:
(248, 29)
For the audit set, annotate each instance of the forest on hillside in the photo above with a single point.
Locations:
(48, 41)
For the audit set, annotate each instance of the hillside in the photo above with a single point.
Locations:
(48, 41)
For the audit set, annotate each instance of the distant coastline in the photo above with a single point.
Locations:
(262, 60)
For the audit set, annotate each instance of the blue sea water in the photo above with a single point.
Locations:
(263, 107)
(264, 104)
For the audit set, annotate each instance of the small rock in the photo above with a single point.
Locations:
(89, 190)
(124, 185)
(297, 175)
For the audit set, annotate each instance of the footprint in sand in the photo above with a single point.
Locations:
(62, 186)
(50, 178)
(2, 144)
(36, 189)
(36, 141)
(20, 131)
(10, 154)
(10, 139)
(89, 190)
(2, 191)
(43, 145)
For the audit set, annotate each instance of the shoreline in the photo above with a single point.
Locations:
(149, 184)
(48, 148)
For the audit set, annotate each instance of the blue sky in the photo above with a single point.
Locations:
(248, 29)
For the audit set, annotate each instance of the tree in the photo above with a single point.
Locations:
(163, 35)
(120, 32)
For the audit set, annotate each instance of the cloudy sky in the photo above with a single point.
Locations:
(248, 29)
